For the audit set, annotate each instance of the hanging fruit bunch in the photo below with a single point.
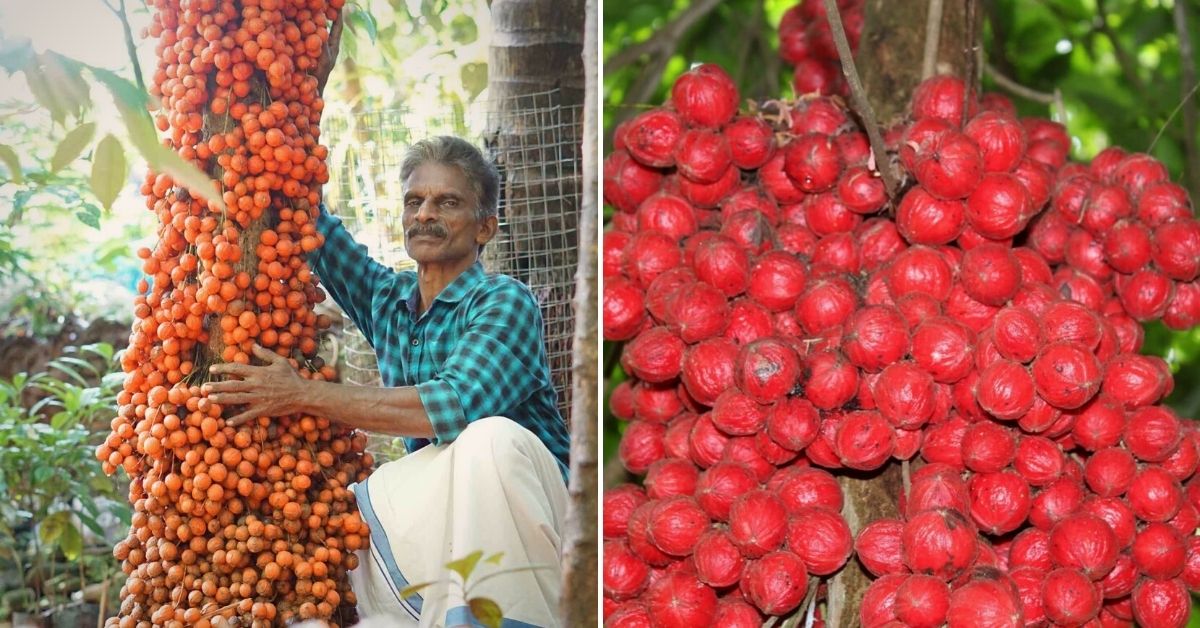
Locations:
(254, 522)
(785, 322)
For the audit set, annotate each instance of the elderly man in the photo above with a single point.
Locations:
(466, 383)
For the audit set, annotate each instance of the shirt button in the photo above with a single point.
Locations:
(416, 341)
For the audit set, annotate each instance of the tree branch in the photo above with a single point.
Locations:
(971, 80)
(1128, 67)
(1017, 89)
(1188, 77)
(933, 38)
(130, 47)
(665, 41)
(861, 105)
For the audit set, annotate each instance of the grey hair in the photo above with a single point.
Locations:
(457, 152)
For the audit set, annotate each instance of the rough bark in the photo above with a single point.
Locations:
(889, 60)
(580, 557)
(536, 47)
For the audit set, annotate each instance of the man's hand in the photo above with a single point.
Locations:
(272, 390)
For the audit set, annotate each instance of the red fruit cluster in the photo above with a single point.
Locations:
(794, 323)
(806, 43)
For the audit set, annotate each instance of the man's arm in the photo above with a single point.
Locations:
(352, 277)
(278, 390)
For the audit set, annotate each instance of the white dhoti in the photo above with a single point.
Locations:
(495, 489)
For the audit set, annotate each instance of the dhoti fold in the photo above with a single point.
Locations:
(495, 489)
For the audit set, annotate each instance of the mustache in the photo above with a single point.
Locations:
(435, 230)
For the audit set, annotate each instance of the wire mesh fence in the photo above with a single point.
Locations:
(535, 143)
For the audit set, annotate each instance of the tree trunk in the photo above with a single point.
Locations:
(533, 135)
(580, 558)
(889, 58)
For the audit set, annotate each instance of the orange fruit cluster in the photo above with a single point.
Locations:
(254, 522)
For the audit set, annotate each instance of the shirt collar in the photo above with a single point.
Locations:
(455, 291)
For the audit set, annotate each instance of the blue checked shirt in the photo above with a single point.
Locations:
(476, 352)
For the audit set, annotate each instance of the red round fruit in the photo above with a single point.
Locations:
(1155, 495)
(943, 441)
(676, 523)
(703, 156)
(1098, 424)
(861, 190)
(706, 443)
(619, 503)
(922, 602)
(1005, 390)
(1015, 334)
(627, 183)
(832, 380)
(792, 423)
(698, 311)
(757, 523)
(705, 96)
(878, 606)
(718, 561)
(655, 355)
(776, 280)
(878, 547)
(821, 538)
(826, 303)
(1146, 294)
(989, 600)
(952, 168)
(1159, 552)
(767, 371)
(1110, 471)
(625, 575)
(999, 501)
(1116, 513)
(922, 218)
(736, 613)
(720, 263)
(720, 485)
(904, 394)
(1056, 501)
(624, 309)
(813, 162)
(1031, 548)
(751, 142)
(667, 214)
(990, 274)
(1153, 433)
(988, 447)
(1066, 374)
(641, 446)
(941, 97)
(1028, 581)
(653, 136)
(775, 583)
(943, 347)
(939, 543)
(679, 600)
(1161, 202)
(937, 486)
(920, 269)
(1161, 603)
(1069, 597)
(998, 206)
(875, 337)
(707, 195)
(649, 255)
(1084, 542)
(671, 477)
(708, 369)
(799, 488)
(864, 440)
(1001, 140)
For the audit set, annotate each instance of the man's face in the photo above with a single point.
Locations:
(439, 219)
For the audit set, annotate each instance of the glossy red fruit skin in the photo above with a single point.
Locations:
(999, 501)
(861, 190)
(798, 488)
(1069, 597)
(990, 599)
(757, 523)
(697, 313)
(812, 162)
(1031, 548)
(940, 543)
(904, 394)
(706, 443)
(641, 446)
(875, 337)
(1000, 138)
(922, 218)
(1135, 380)
(718, 561)
(1117, 514)
(649, 255)
(821, 538)
(1015, 334)
(792, 423)
(1066, 374)
(1162, 603)
(878, 547)
(768, 370)
(832, 380)
(751, 142)
(775, 583)
(1028, 581)
(864, 440)
(922, 601)
(1153, 433)
(1161, 202)
(777, 279)
(1005, 390)
(655, 355)
(627, 182)
(702, 156)
(988, 447)
(943, 347)
(1084, 542)
(1154, 495)
(679, 600)
(624, 309)
(736, 613)
(653, 136)
(708, 369)
(990, 274)
(708, 195)
(1146, 294)
(878, 607)
(999, 206)
(748, 321)
(1159, 551)
(625, 575)
(676, 523)
(920, 269)
(720, 485)
(940, 97)
(825, 303)
(1110, 471)
(951, 168)
(705, 96)
(619, 503)
(1191, 569)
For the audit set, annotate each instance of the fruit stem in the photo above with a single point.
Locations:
(933, 38)
(861, 106)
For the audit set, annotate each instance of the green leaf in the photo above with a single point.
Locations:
(9, 157)
(184, 173)
(474, 78)
(413, 589)
(463, 29)
(15, 54)
(72, 146)
(108, 170)
(494, 558)
(88, 219)
(52, 528)
(61, 420)
(486, 611)
(465, 565)
(360, 18)
(71, 541)
(65, 81)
